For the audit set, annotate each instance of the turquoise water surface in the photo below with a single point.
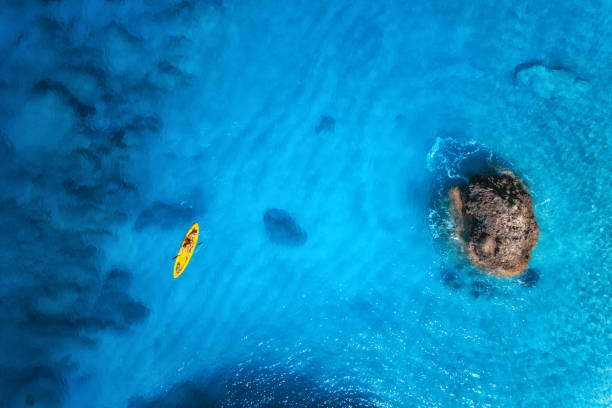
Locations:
(126, 121)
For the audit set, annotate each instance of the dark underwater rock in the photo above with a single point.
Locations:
(281, 228)
(36, 386)
(326, 124)
(529, 279)
(550, 81)
(6, 147)
(451, 278)
(496, 224)
(482, 288)
(254, 386)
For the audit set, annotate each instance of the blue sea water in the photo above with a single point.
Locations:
(124, 122)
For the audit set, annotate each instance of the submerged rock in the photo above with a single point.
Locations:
(451, 278)
(326, 124)
(550, 81)
(496, 224)
(282, 228)
(482, 288)
(529, 279)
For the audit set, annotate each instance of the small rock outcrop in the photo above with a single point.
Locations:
(281, 228)
(495, 221)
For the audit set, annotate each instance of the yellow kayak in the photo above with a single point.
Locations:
(186, 250)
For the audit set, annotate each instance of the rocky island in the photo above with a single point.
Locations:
(495, 223)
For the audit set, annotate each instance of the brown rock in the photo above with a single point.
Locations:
(495, 223)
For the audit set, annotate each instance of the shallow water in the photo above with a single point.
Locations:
(129, 121)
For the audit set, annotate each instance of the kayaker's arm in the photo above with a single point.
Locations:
(174, 257)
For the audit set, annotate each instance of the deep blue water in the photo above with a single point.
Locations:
(124, 122)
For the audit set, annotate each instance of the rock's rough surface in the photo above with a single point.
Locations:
(281, 228)
(496, 223)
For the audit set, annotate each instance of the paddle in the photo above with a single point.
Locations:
(174, 257)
